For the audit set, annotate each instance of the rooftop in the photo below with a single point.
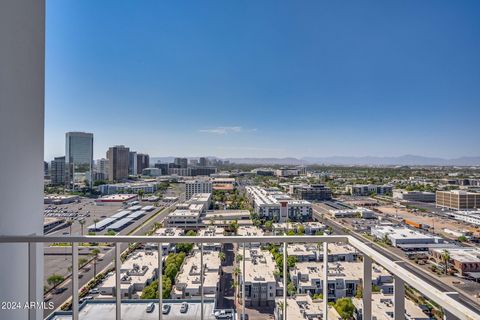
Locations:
(382, 307)
(259, 266)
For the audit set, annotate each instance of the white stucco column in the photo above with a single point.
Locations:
(22, 73)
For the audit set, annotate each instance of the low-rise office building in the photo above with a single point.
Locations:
(463, 260)
(115, 199)
(418, 196)
(359, 212)
(60, 199)
(458, 200)
(399, 236)
(134, 187)
(368, 189)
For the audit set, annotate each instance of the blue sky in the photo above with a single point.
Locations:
(265, 78)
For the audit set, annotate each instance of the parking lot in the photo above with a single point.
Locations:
(106, 311)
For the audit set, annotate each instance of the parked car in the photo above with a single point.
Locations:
(150, 307)
(184, 307)
(166, 308)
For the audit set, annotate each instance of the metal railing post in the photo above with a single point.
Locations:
(367, 288)
(399, 298)
(160, 281)
(243, 282)
(285, 282)
(74, 281)
(201, 280)
(325, 281)
(32, 278)
(118, 283)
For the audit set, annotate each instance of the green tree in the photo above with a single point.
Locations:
(171, 271)
(269, 225)
(151, 291)
(462, 239)
(111, 233)
(55, 279)
(345, 308)
(301, 229)
(317, 296)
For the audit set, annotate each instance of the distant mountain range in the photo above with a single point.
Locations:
(405, 160)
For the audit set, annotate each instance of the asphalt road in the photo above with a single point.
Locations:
(422, 274)
(106, 260)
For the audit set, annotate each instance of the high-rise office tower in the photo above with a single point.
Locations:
(202, 162)
(118, 163)
(143, 162)
(101, 169)
(78, 159)
(181, 162)
(57, 171)
(132, 163)
(46, 172)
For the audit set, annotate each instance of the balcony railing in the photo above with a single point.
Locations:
(452, 308)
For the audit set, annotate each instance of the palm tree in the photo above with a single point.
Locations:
(82, 223)
(95, 222)
(69, 224)
(95, 253)
(446, 259)
(221, 255)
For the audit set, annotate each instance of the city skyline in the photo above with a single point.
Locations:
(234, 80)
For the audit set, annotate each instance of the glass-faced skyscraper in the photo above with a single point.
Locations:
(78, 159)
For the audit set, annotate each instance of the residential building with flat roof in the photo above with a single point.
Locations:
(188, 280)
(272, 204)
(344, 278)
(383, 308)
(138, 271)
(261, 285)
(303, 307)
(314, 192)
